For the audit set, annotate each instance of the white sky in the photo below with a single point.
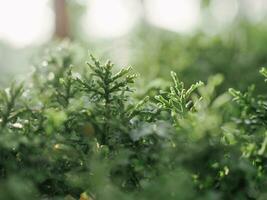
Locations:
(28, 22)
(25, 22)
(110, 18)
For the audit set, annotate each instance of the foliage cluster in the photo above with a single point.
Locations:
(84, 134)
(200, 55)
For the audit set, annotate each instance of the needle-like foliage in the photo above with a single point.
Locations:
(76, 132)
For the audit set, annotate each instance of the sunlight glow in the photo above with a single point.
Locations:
(26, 22)
(224, 11)
(256, 10)
(109, 18)
(175, 15)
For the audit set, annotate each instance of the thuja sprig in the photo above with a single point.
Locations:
(107, 90)
(178, 98)
(66, 89)
(8, 100)
(263, 71)
(109, 83)
(243, 99)
(103, 82)
(138, 108)
(252, 107)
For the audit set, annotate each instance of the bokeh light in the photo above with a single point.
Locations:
(174, 15)
(225, 11)
(29, 23)
(110, 18)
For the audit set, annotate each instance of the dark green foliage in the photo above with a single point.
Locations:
(75, 133)
(237, 53)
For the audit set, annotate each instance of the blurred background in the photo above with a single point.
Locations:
(195, 38)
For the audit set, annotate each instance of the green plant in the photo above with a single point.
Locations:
(83, 133)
